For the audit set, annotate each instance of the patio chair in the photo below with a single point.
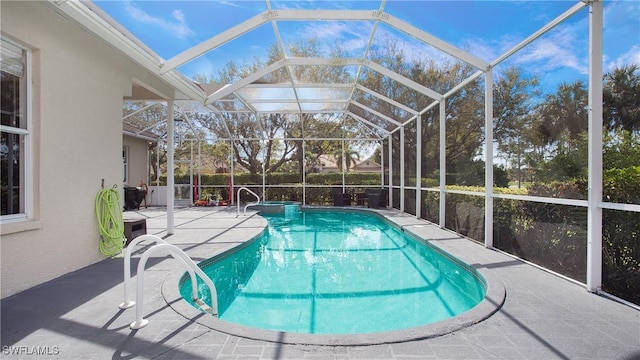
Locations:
(341, 198)
(377, 198)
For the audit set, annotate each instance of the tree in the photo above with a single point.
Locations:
(511, 109)
(464, 117)
(564, 115)
(621, 95)
(347, 158)
(559, 126)
(621, 110)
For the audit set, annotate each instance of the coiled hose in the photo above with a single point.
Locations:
(109, 214)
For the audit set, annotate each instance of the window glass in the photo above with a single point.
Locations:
(14, 132)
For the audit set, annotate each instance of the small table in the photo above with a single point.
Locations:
(361, 198)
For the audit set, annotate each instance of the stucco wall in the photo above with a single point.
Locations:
(138, 160)
(79, 85)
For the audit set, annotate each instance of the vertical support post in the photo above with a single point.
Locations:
(402, 172)
(191, 173)
(199, 168)
(488, 162)
(390, 170)
(147, 178)
(419, 166)
(263, 144)
(594, 212)
(382, 162)
(232, 170)
(170, 168)
(304, 161)
(158, 172)
(304, 174)
(343, 162)
(264, 171)
(443, 163)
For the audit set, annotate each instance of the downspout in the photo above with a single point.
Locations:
(443, 163)
(170, 168)
(418, 166)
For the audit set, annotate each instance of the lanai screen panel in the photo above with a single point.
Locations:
(364, 130)
(405, 93)
(430, 155)
(326, 39)
(257, 43)
(230, 104)
(371, 118)
(322, 126)
(244, 126)
(384, 106)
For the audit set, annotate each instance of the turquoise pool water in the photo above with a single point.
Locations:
(324, 272)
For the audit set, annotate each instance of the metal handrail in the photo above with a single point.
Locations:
(128, 302)
(191, 267)
(250, 204)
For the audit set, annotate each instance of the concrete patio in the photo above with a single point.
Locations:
(76, 316)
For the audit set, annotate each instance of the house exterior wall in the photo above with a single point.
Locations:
(367, 166)
(78, 89)
(138, 161)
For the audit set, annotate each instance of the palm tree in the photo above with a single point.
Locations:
(564, 114)
(622, 98)
(349, 159)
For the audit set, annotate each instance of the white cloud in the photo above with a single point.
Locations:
(561, 47)
(551, 54)
(352, 37)
(493, 48)
(629, 58)
(231, 3)
(565, 45)
(178, 27)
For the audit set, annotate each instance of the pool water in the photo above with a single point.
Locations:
(326, 272)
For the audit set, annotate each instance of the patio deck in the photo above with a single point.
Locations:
(76, 316)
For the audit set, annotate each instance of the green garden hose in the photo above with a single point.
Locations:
(109, 214)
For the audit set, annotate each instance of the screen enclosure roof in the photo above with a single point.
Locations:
(288, 76)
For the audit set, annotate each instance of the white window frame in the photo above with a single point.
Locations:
(26, 105)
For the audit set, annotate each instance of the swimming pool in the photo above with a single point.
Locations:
(326, 272)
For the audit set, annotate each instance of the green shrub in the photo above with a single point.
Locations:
(622, 185)
(572, 189)
(621, 235)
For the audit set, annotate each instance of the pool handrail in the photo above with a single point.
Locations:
(127, 269)
(186, 261)
(249, 204)
(128, 302)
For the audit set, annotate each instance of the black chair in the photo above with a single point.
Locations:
(377, 198)
(341, 198)
(133, 196)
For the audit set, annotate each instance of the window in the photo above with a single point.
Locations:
(15, 149)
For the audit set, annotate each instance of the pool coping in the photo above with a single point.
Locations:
(492, 302)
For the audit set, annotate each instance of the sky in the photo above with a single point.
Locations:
(485, 29)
